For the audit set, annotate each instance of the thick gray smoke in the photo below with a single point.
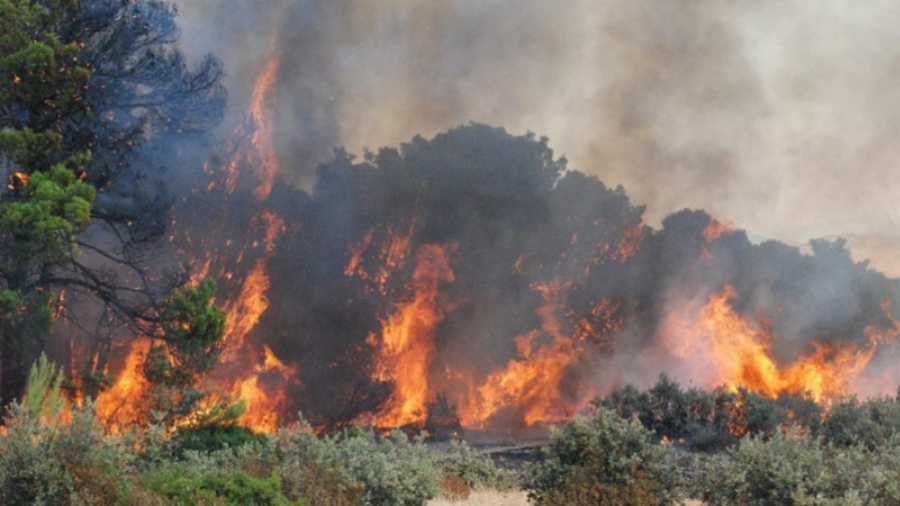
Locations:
(777, 115)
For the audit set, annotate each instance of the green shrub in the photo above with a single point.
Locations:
(210, 438)
(58, 462)
(871, 423)
(791, 470)
(384, 471)
(186, 487)
(49, 458)
(603, 459)
(475, 470)
(393, 471)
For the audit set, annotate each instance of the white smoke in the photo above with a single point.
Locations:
(778, 115)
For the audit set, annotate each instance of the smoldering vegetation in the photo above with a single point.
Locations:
(523, 232)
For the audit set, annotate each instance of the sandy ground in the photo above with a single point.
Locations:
(486, 498)
(492, 498)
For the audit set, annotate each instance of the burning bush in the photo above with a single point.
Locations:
(442, 422)
(710, 420)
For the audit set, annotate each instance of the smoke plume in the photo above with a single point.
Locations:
(775, 115)
(474, 263)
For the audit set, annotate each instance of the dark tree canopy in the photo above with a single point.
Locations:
(527, 240)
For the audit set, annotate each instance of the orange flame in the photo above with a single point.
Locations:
(738, 353)
(406, 347)
(264, 393)
(530, 382)
(714, 230)
(120, 405)
(256, 376)
(243, 313)
(629, 243)
(259, 114)
(392, 255)
(18, 179)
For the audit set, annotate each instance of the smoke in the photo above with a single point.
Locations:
(775, 116)
(551, 288)
(779, 116)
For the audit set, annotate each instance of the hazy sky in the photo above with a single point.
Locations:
(779, 115)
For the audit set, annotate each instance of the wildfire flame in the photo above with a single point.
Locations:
(264, 393)
(406, 346)
(243, 313)
(392, 254)
(529, 383)
(120, 405)
(738, 353)
(263, 404)
(259, 113)
(714, 230)
(246, 370)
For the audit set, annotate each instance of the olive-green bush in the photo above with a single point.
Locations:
(710, 420)
(474, 469)
(790, 469)
(604, 459)
(185, 486)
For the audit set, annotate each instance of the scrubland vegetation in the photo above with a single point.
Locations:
(52, 453)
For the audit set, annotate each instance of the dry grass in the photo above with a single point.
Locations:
(486, 498)
(494, 498)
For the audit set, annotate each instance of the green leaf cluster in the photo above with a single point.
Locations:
(193, 328)
(41, 80)
(42, 225)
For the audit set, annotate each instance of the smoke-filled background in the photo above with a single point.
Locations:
(779, 116)
(474, 261)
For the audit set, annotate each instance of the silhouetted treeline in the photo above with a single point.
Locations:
(517, 222)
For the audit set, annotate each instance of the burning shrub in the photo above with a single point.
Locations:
(603, 460)
(710, 421)
(442, 422)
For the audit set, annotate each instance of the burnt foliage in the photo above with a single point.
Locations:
(514, 218)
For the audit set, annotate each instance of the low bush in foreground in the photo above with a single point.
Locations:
(604, 459)
(54, 454)
(788, 469)
(850, 455)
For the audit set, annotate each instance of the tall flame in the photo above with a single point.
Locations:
(406, 346)
(259, 113)
(243, 313)
(120, 405)
(246, 370)
(261, 109)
